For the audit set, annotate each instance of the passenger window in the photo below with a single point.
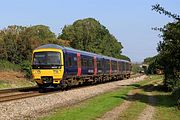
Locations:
(99, 64)
(69, 61)
(91, 63)
(75, 61)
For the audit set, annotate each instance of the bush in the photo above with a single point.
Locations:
(26, 68)
(136, 68)
(176, 94)
(8, 66)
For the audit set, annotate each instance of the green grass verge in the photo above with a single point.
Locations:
(139, 100)
(94, 107)
(135, 108)
(91, 108)
(166, 107)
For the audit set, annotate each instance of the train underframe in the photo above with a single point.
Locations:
(70, 81)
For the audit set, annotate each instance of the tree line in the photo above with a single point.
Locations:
(18, 42)
(168, 58)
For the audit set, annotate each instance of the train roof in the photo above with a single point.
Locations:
(75, 50)
(85, 52)
(50, 46)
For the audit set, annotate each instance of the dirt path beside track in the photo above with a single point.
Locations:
(149, 111)
(114, 114)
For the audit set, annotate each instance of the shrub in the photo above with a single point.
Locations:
(26, 68)
(8, 66)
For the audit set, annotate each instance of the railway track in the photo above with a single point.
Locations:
(5, 98)
(19, 89)
(21, 93)
(18, 93)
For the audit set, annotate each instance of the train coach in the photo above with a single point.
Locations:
(54, 65)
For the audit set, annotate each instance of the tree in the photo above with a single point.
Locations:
(155, 63)
(89, 35)
(169, 48)
(3, 52)
(32, 37)
(10, 39)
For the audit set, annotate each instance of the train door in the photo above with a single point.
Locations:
(110, 63)
(95, 66)
(79, 64)
(117, 66)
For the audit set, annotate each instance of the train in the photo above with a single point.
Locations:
(57, 66)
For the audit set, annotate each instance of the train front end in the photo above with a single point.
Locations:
(48, 66)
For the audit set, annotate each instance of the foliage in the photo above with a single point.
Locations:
(169, 48)
(161, 10)
(89, 35)
(92, 108)
(149, 60)
(136, 68)
(18, 42)
(26, 68)
(154, 64)
(8, 66)
(123, 57)
(166, 106)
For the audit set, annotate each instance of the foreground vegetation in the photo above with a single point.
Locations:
(16, 75)
(168, 56)
(91, 108)
(6, 84)
(97, 106)
(166, 106)
(18, 42)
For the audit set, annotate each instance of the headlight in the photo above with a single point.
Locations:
(56, 71)
(37, 71)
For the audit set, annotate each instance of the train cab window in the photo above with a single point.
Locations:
(46, 58)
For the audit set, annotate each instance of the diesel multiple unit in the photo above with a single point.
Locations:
(54, 65)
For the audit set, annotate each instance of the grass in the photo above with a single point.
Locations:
(166, 108)
(11, 81)
(140, 100)
(91, 108)
(94, 107)
(135, 108)
(5, 84)
(8, 66)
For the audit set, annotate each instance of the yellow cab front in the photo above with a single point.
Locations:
(47, 66)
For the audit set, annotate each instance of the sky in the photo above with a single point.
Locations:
(130, 21)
